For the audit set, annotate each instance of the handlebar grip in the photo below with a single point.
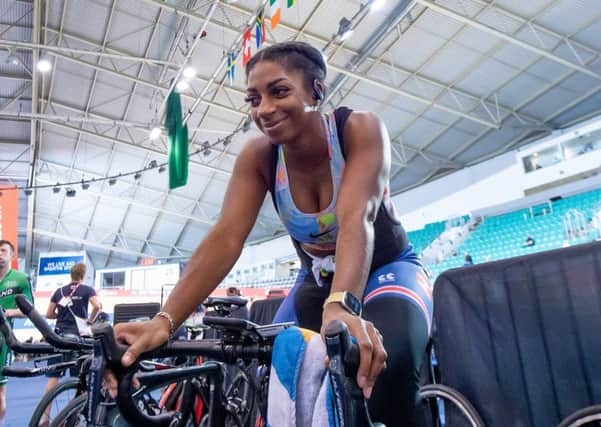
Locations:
(17, 346)
(23, 372)
(20, 372)
(350, 405)
(52, 337)
(348, 349)
(112, 349)
(24, 305)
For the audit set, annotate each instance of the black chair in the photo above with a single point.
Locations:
(134, 312)
(263, 311)
(519, 339)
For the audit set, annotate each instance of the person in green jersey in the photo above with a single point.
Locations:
(12, 283)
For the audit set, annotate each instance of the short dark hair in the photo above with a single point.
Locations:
(10, 245)
(294, 56)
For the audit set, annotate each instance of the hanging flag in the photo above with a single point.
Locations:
(178, 142)
(291, 3)
(260, 33)
(246, 50)
(276, 12)
(231, 67)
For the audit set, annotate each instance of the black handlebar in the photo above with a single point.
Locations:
(23, 372)
(246, 341)
(19, 347)
(350, 405)
(64, 343)
(231, 301)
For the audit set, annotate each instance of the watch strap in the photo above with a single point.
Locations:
(344, 299)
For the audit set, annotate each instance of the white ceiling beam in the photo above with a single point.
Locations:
(114, 50)
(13, 76)
(146, 206)
(341, 70)
(89, 243)
(493, 31)
(62, 49)
(486, 55)
(130, 144)
(34, 133)
(121, 198)
(12, 177)
(537, 26)
(14, 141)
(145, 83)
(74, 119)
(522, 104)
(200, 18)
(414, 97)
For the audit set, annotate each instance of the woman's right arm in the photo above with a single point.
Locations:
(213, 258)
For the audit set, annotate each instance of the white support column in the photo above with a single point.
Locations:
(34, 140)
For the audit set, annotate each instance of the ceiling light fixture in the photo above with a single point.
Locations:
(112, 181)
(206, 148)
(182, 85)
(12, 58)
(189, 72)
(376, 5)
(138, 175)
(155, 133)
(44, 65)
(344, 29)
(70, 192)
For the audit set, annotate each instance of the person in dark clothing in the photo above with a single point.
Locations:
(69, 306)
(530, 241)
(468, 260)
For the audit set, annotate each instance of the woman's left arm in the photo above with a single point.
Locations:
(366, 174)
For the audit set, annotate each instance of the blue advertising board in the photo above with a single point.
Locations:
(50, 266)
(54, 269)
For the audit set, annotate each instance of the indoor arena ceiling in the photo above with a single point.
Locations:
(456, 82)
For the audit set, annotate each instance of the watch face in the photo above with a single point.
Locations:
(352, 303)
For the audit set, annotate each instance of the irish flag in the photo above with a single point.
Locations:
(276, 12)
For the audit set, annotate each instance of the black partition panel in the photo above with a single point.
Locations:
(521, 338)
(134, 312)
(262, 312)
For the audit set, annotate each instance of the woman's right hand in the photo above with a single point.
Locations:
(140, 337)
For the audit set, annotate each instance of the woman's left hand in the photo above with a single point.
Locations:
(372, 353)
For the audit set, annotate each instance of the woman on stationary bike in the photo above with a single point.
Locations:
(328, 175)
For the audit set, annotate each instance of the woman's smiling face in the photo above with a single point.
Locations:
(277, 99)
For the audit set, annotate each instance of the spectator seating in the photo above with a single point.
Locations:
(503, 236)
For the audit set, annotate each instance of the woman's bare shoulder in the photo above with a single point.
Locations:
(257, 151)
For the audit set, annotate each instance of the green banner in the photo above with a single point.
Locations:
(178, 142)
